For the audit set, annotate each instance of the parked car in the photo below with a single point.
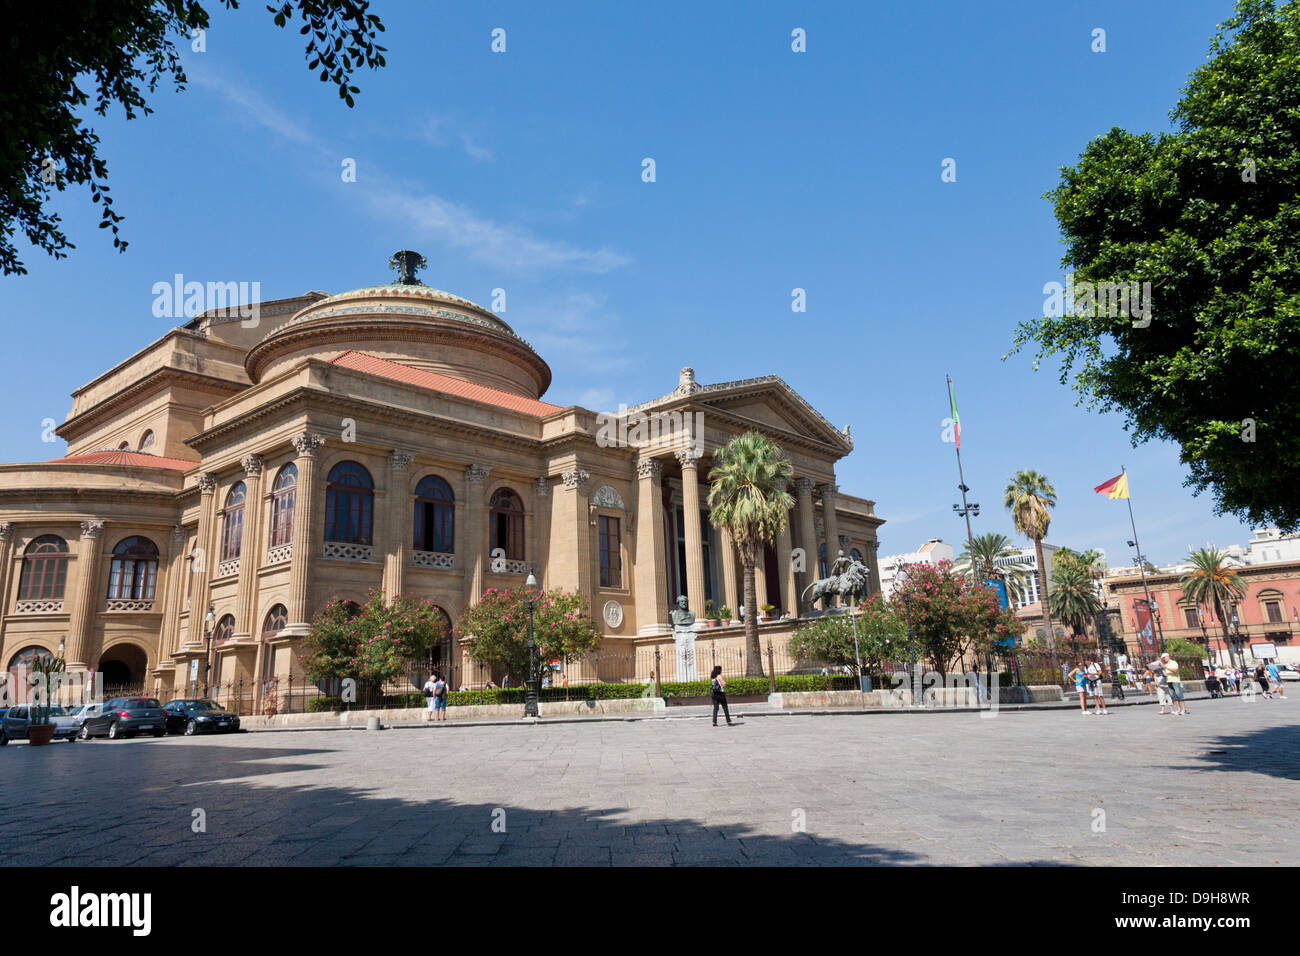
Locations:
(83, 711)
(197, 715)
(1288, 672)
(16, 720)
(124, 716)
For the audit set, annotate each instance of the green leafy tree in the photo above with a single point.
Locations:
(747, 497)
(497, 628)
(1209, 215)
(373, 644)
(1074, 594)
(1030, 498)
(989, 548)
(952, 615)
(1212, 582)
(882, 636)
(58, 57)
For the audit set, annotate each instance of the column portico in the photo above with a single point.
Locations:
(651, 577)
(831, 522)
(803, 488)
(249, 545)
(541, 526)
(690, 463)
(201, 563)
(731, 596)
(475, 532)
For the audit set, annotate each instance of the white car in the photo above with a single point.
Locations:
(1288, 672)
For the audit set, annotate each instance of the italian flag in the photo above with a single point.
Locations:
(956, 419)
(1117, 487)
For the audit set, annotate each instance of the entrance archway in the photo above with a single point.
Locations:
(122, 670)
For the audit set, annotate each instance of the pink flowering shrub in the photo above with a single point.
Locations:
(498, 628)
(951, 613)
(372, 645)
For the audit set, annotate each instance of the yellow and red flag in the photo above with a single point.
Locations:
(1117, 487)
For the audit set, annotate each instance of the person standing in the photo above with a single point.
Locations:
(718, 687)
(429, 687)
(1092, 678)
(1176, 692)
(1275, 678)
(440, 699)
(1157, 669)
(1079, 685)
(1261, 678)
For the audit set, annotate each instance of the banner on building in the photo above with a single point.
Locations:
(1146, 626)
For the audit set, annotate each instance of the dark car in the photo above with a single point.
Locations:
(124, 716)
(198, 716)
(15, 722)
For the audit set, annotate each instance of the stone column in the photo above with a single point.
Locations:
(831, 521)
(205, 554)
(174, 594)
(6, 572)
(250, 546)
(803, 488)
(873, 556)
(574, 528)
(475, 532)
(541, 530)
(731, 583)
(760, 582)
(694, 539)
(399, 534)
(303, 551)
(651, 578)
(789, 583)
(86, 598)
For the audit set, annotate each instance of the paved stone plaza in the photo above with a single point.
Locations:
(1216, 788)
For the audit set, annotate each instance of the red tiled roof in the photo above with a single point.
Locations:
(124, 457)
(363, 362)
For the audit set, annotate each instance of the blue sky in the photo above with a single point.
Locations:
(775, 170)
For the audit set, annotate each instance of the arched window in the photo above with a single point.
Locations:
(283, 493)
(147, 440)
(276, 620)
(45, 569)
(134, 571)
(125, 446)
(25, 657)
(225, 629)
(232, 529)
(435, 516)
(507, 523)
(349, 504)
(856, 555)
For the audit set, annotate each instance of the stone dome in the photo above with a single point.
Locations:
(411, 323)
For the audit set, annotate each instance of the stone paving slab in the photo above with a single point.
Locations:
(1042, 787)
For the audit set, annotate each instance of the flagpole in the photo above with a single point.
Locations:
(965, 509)
(1142, 568)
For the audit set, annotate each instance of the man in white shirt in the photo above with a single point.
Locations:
(1092, 680)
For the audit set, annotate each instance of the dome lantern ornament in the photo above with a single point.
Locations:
(406, 263)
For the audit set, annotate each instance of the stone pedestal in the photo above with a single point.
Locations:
(684, 646)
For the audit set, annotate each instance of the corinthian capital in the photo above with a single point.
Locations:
(306, 444)
(6, 530)
(207, 482)
(687, 457)
(252, 465)
(651, 468)
(92, 529)
(828, 490)
(803, 486)
(477, 474)
(400, 460)
(576, 478)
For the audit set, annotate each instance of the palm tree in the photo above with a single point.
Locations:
(1030, 497)
(989, 549)
(1212, 581)
(747, 497)
(1074, 597)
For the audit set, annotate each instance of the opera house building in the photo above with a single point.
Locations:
(225, 482)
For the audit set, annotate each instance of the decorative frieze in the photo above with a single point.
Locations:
(437, 560)
(477, 474)
(228, 568)
(607, 497)
(348, 552)
(38, 607)
(280, 555)
(121, 604)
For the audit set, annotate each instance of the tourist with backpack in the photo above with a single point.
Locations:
(440, 699)
(428, 690)
(718, 687)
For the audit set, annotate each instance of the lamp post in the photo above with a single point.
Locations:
(1236, 638)
(530, 695)
(208, 620)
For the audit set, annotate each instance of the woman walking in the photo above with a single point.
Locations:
(718, 685)
(1079, 684)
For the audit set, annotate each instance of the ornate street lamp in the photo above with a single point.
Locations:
(530, 695)
(208, 620)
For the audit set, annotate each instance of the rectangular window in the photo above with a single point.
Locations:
(1274, 609)
(1193, 616)
(611, 559)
